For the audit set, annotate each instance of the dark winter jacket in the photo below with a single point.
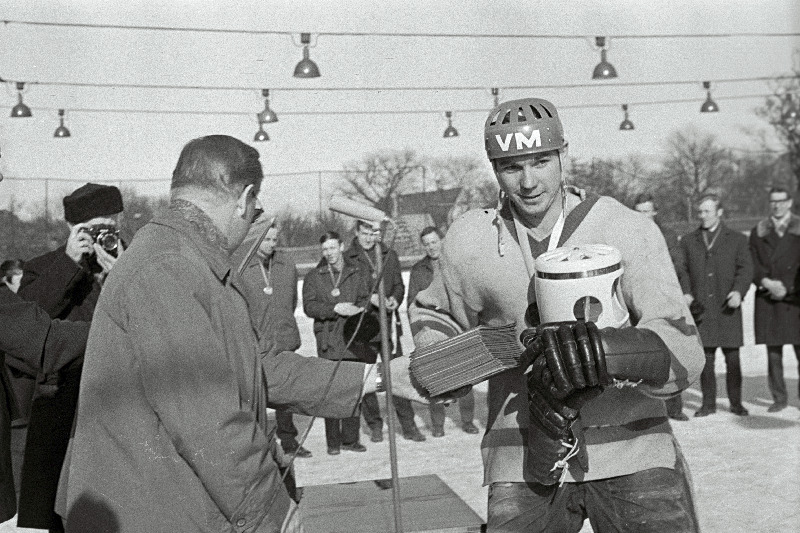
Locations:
(40, 346)
(318, 303)
(777, 322)
(272, 310)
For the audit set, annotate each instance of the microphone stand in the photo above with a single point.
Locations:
(387, 380)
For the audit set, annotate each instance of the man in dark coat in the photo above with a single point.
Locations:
(775, 246)
(172, 431)
(40, 346)
(715, 272)
(271, 282)
(646, 205)
(333, 291)
(66, 283)
(361, 252)
(421, 277)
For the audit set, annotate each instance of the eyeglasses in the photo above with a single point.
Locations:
(775, 202)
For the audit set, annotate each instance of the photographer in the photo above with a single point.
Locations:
(66, 283)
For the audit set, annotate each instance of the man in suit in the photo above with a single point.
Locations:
(715, 272)
(775, 246)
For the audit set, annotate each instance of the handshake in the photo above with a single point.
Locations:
(569, 364)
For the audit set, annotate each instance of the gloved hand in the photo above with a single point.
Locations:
(572, 354)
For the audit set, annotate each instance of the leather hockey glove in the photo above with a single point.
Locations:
(579, 356)
(569, 364)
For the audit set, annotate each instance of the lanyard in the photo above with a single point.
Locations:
(525, 246)
(267, 275)
(336, 281)
(713, 240)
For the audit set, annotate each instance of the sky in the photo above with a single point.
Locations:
(140, 150)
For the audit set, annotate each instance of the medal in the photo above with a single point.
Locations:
(335, 292)
(374, 275)
(267, 277)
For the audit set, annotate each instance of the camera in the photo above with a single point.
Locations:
(106, 235)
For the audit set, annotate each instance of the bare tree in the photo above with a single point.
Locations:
(782, 111)
(379, 177)
(620, 179)
(470, 173)
(696, 165)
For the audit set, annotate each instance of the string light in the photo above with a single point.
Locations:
(450, 131)
(306, 68)
(261, 135)
(20, 110)
(267, 116)
(626, 124)
(604, 70)
(709, 106)
(61, 130)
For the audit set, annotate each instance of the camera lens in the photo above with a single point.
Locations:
(108, 241)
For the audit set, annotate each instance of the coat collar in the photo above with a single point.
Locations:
(348, 268)
(766, 226)
(189, 220)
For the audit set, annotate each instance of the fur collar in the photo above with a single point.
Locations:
(765, 227)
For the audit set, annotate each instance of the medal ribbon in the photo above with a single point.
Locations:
(336, 281)
(267, 274)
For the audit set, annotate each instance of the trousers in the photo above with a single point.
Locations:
(371, 410)
(651, 501)
(733, 378)
(340, 431)
(466, 407)
(777, 385)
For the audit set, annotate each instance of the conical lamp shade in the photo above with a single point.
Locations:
(450, 131)
(306, 68)
(261, 135)
(604, 70)
(20, 110)
(62, 131)
(709, 106)
(626, 125)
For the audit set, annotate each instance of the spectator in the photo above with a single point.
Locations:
(421, 276)
(646, 205)
(271, 282)
(627, 473)
(361, 252)
(332, 292)
(775, 247)
(40, 346)
(715, 272)
(11, 274)
(66, 283)
(172, 431)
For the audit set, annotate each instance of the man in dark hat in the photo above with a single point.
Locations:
(66, 283)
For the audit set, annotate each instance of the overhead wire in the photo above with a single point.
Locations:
(112, 85)
(74, 110)
(132, 27)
